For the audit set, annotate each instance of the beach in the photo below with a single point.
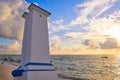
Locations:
(5, 72)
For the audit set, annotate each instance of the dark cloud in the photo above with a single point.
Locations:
(87, 42)
(91, 43)
(110, 43)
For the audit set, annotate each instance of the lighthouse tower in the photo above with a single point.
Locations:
(35, 62)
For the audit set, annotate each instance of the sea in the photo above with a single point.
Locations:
(78, 67)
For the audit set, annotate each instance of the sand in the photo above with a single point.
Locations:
(5, 72)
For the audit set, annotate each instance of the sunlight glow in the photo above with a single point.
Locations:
(115, 32)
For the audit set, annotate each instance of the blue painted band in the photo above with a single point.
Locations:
(20, 70)
(41, 64)
(35, 63)
(40, 70)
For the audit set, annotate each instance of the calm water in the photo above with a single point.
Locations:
(84, 67)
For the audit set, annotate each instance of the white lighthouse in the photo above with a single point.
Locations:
(35, 62)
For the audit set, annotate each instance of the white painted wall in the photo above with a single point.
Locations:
(36, 47)
(26, 46)
(35, 42)
(39, 38)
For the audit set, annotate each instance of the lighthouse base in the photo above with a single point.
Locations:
(35, 71)
(37, 75)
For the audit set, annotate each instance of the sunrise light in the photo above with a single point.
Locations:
(115, 32)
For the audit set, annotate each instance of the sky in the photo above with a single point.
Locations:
(76, 27)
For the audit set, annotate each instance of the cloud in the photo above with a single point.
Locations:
(57, 26)
(90, 9)
(96, 20)
(60, 21)
(73, 35)
(12, 48)
(89, 31)
(91, 43)
(11, 23)
(55, 43)
(5, 12)
(110, 43)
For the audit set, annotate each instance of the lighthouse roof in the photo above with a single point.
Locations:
(39, 9)
(25, 14)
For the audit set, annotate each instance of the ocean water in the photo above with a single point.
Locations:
(82, 67)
